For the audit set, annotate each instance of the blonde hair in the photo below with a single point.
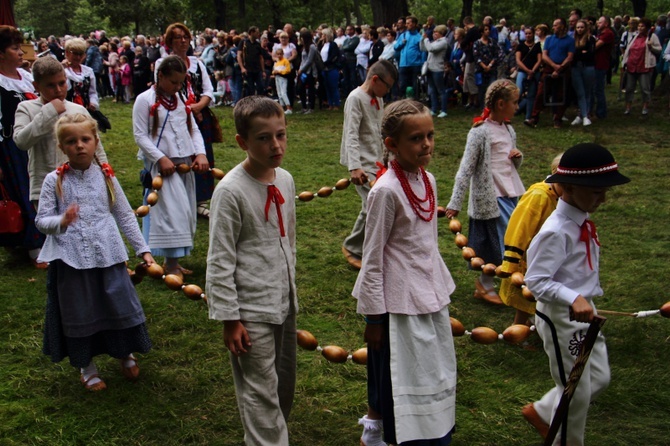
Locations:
(394, 117)
(500, 89)
(555, 162)
(76, 44)
(90, 124)
(581, 42)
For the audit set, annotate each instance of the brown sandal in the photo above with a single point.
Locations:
(131, 373)
(95, 387)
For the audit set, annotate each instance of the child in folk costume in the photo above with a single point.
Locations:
(534, 207)
(489, 167)
(126, 78)
(403, 290)
(563, 264)
(81, 79)
(167, 135)
(251, 272)
(92, 306)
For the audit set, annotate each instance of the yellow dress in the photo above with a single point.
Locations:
(533, 209)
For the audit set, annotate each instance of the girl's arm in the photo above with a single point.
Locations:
(141, 129)
(472, 156)
(127, 221)
(48, 219)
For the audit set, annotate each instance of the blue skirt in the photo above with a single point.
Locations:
(204, 183)
(487, 237)
(114, 325)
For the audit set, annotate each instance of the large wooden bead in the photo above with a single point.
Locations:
(484, 335)
(360, 356)
(516, 333)
(527, 294)
(665, 310)
(307, 340)
(142, 211)
(193, 292)
(457, 328)
(325, 191)
(155, 271)
(342, 184)
(455, 226)
(500, 273)
(306, 196)
(152, 198)
(157, 182)
(441, 211)
(136, 278)
(489, 269)
(517, 279)
(183, 168)
(468, 253)
(217, 173)
(174, 282)
(334, 353)
(141, 269)
(476, 263)
(461, 240)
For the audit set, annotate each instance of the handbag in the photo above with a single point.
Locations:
(103, 121)
(11, 220)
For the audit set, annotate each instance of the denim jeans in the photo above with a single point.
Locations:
(409, 77)
(435, 86)
(583, 81)
(487, 79)
(332, 80)
(601, 102)
(527, 102)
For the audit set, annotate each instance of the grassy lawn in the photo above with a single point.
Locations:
(186, 396)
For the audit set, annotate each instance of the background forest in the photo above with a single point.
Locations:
(120, 17)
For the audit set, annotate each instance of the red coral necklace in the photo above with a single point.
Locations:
(415, 202)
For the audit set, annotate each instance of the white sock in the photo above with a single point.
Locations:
(372, 431)
(129, 361)
(486, 281)
(89, 371)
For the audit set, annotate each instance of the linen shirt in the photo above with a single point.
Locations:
(175, 141)
(402, 271)
(34, 125)
(250, 266)
(362, 144)
(93, 240)
(558, 268)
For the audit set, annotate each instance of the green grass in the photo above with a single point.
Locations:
(186, 396)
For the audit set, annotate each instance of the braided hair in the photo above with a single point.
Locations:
(92, 125)
(394, 115)
(500, 89)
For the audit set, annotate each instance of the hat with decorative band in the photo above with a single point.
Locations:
(588, 164)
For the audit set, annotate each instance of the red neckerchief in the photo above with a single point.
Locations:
(588, 230)
(274, 195)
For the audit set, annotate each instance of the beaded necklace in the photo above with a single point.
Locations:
(170, 103)
(415, 202)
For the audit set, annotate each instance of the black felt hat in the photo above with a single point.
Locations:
(588, 164)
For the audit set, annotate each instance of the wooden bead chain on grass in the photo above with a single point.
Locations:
(157, 184)
(324, 192)
(172, 281)
(517, 278)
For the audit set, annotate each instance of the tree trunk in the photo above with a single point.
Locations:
(467, 9)
(387, 12)
(357, 12)
(220, 18)
(639, 7)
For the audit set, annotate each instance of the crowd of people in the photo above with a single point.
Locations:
(55, 167)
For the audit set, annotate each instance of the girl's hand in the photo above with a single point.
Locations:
(514, 153)
(451, 213)
(148, 258)
(166, 167)
(235, 337)
(374, 335)
(70, 216)
(200, 164)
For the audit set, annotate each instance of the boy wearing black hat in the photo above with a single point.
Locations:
(563, 261)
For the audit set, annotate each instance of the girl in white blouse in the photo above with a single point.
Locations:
(167, 135)
(92, 306)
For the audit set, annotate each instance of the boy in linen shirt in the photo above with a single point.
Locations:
(251, 272)
(362, 145)
(563, 261)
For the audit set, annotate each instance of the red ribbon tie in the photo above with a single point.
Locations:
(274, 195)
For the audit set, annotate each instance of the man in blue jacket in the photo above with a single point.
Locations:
(411, 57)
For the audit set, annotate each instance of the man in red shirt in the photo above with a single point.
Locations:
(603, 54)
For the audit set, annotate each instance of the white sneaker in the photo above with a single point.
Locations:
(288, 112)
(587, 122)
(578, 121)
(432, 113)
(442, 115)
